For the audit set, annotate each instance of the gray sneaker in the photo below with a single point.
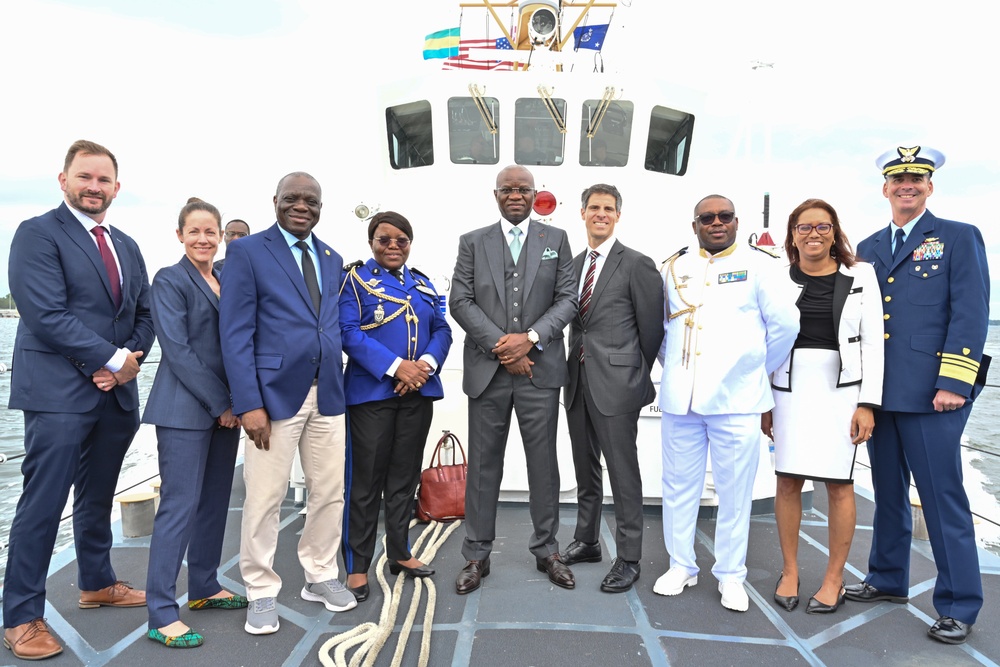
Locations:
(333, 594)
(262, 617)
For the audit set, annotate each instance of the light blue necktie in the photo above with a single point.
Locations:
(515, 244)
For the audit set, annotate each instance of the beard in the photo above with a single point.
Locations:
(76, 200)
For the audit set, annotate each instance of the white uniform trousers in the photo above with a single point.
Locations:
(734, 441)
(320, 441)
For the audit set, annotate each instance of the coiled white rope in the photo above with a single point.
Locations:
(372, 636)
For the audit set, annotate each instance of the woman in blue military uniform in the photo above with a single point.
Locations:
(396, 339)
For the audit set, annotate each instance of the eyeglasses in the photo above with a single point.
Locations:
(822, 228)
(386, 241)
(524, 192)
(725, 217)
(236, 235)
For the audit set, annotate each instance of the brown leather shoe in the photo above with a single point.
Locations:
(118, 594)
(31, 641)
(471, 576)
(559, 573)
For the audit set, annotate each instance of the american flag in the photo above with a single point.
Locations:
(463, 61)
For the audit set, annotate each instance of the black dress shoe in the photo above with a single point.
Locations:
(787, 602)
(817, 607)
(621, 577)
(419, 571)
(360, 592)
(865, 592)
(559, 574)
(471, 576)
(581, 552)
(950, 631)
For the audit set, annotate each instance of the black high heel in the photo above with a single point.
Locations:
(787, 602)
(817, 607)
(421, 571)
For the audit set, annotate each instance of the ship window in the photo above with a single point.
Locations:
(608, 147)
(669, 144)
(537, 137)
(409, 131)
(470, 139)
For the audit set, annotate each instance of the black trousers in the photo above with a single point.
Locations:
(386, 451)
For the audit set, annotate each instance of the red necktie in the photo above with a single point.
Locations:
(109, 265)
(588, 290)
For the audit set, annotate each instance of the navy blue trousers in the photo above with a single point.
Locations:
(196, 479)
(62, 450)
(926, 445)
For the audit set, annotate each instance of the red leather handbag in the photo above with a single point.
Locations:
(442, 487)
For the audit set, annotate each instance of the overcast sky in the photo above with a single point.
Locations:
(220, 98)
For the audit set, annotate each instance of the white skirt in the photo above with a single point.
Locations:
(812, 423)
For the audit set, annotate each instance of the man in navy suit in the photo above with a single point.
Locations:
(235, 229)
(83, 295)
(279, 317)
(936, 293)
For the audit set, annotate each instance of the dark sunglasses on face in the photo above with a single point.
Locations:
(725, 217)
(386, 241)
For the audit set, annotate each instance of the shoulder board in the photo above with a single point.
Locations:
(677, 254)
(769, 253)
(354, 265)
(419, 273)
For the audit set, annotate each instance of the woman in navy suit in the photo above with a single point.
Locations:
(823, 403)
(396, 339)
(196, 431)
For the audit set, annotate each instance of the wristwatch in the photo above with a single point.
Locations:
(533, 337)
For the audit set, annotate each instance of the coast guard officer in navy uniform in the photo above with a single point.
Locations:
(936, 293)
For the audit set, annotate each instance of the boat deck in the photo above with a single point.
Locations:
(519, 618)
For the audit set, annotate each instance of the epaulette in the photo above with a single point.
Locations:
(769, 253)
(419, 273)
(677, 254)
(354, 265)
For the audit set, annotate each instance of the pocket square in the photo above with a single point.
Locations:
(549, 253)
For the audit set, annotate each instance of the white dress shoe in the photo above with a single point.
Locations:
(734, 596)
(674, 581)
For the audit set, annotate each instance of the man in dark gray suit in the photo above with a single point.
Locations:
(612, 345)
(513, 292)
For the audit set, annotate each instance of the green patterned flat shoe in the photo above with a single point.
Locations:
(232, 602)
(189, 639)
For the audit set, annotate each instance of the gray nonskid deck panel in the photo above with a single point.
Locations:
(519, 618)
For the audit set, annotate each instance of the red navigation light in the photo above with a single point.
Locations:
(545, 202)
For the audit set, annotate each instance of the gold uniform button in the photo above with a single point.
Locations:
(699, 327)
(916, 268)
(888, 299)
(698, 353)
(938, 353)
(887, 336)
(925, 275)
(891, 280)
(885, 317)
(707, 284)
(408, 297)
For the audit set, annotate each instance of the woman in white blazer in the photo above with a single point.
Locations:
(824, 393)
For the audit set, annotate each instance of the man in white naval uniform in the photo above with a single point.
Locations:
(730, 321)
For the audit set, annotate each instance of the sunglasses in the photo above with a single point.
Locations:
(386, 241)
(725, 217)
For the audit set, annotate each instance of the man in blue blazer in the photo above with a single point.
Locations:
(936, 293)
(83, 295)
(279, 317)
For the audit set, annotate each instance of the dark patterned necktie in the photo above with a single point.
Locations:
(588, 291)
(109, 265)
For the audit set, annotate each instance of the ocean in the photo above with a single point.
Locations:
(982, 438)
